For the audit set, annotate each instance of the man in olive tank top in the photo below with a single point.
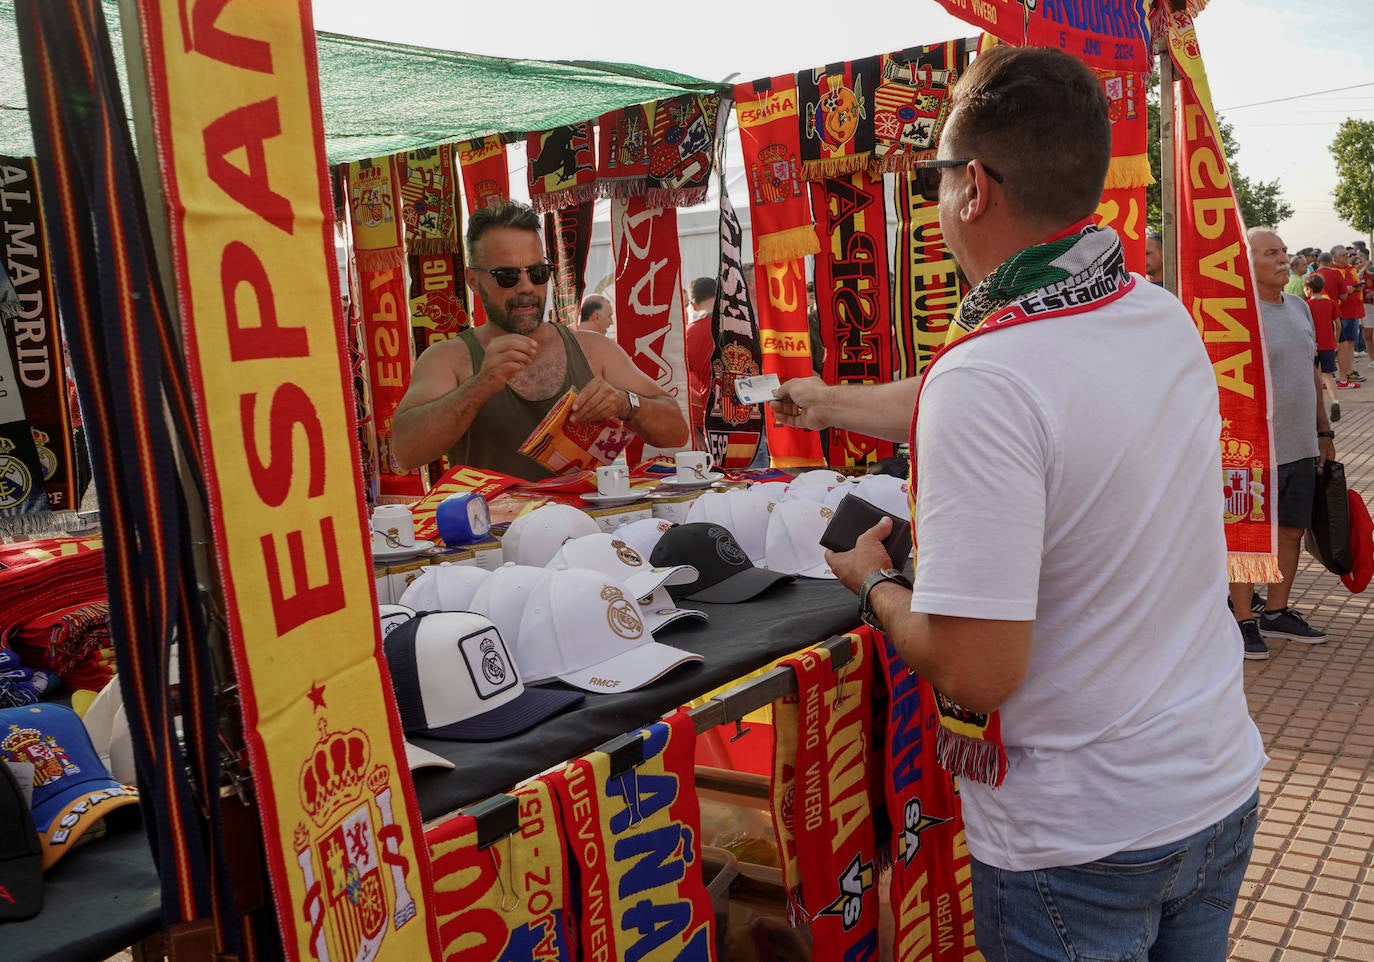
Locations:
(477, 396)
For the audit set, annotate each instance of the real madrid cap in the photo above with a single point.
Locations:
(813, 485)
(392, 617)
(794, 538)
(502, 598)
(72, 791)
(613, 557)
(444, 587)
(643, 534)
(21, 857)
(890, 493)
(582, 627)
(454, 679)
(659, 611)
(725, 575)
(741, 511)
(535, 536)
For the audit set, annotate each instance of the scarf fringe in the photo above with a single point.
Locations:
(973, 758)
(620, 188)
(567, 197)
(675, 196)
(835, 166)
(898, 161)
(386, 259)
(786, 245)
(432, 245)
(797, 916)
(26, 526)
(1132, 170)
(1248, 567)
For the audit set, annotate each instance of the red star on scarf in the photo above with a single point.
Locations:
(316, 695)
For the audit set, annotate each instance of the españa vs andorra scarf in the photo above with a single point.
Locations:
(622, 151)
(510, 900)
(374, 191)
(835, 117)
(912, 103)
(1108, 36)
(779, 208)
(928, 286)
(853, 299)
(561, 166)
(636, 841)
(1217, 284)
(681, 149)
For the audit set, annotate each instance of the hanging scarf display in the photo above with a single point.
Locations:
(356, 339)
(928, 286)
(681, 149)
(854, 301)
(429, 196)
(350, 877)
(561, 166)
(931, 895)
(21, 474)
(835, 117)
(438, 298)
(510, 900)
(1111, 36)
(649, 320)
(622, 151)
(567, 242)
(34, 336)
(374, 192)
(912, 103)
(1123, 199)
(779, 208)
(636, 840)
(486, 180)
(1083, 267)
(390, 357)
(785, 337)
(1215, 280)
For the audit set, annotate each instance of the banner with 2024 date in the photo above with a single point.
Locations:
(239, 133)
(1106, 34)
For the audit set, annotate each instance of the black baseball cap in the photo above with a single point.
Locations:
(724, 574)
(21, 855)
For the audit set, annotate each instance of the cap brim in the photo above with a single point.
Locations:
(417, 757)
(633, 669)
(740, 586)
(656, 619)
(515, 716)
(644, 583)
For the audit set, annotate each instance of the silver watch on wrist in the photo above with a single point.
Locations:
(633, 398)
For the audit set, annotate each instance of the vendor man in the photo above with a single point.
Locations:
(477, 396)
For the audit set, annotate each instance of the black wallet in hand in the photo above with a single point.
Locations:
(854, 516)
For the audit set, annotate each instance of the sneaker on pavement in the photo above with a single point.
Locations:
(1355, 376)
(1256, 603)
(1287, 623)
(1345, 385)
(1335, 411)
(1255, 648)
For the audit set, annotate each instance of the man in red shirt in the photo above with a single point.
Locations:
(1337, 287)
(1350, 311)
(700, 346)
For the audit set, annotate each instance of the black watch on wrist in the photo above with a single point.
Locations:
(866, 612)
(1327, 434)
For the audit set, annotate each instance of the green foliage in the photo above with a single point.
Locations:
(1353, 153)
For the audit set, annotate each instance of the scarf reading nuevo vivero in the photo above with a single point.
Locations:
(1069, 274)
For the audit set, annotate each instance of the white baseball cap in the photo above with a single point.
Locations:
(535, 536)
(741, 511)
(643, 534)
(885, 491)
(455, 679)
(582, 627)
(613, 557)
(794, 539)
(444, 587)
(659, 611)
(502, 597)
(393, 616)
(813, 485)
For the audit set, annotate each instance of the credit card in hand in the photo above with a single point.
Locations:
(756, 390)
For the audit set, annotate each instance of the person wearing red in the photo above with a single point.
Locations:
(1324, 321)
(1350, 310)
(1337, 287)
(700, 346)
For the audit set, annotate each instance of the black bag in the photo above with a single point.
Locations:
(1328, 540)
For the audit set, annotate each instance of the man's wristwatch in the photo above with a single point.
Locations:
(633, 399)
(1327, 434)
(866, 612)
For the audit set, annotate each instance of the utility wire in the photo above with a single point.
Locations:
(1279, 100)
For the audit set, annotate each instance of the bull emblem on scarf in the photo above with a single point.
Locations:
(559, 153)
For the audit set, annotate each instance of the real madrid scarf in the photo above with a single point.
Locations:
(374, 195)
(510, 900)
(931, 894)
(928, 286)
(825, 824)
(681, 149)
(622, 151)
(1216, 283)
(34, 335)
(21, 473)
(636, 841)
(567, 242)
(779, 208)
(429, 196)
(911, 104)
(1123, 198)
(561, 166)
(835, 117)
(785, 336)
(854, 301)
(1081, 268)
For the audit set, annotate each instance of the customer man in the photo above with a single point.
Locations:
(597, 315)
(476, 397)
(1351, 311)
(1154, 259)
(1045, 504)
(1302, 442)
(699, 345)
(1297, 270)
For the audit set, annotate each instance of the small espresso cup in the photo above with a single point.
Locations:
(693, 465)
(393, 527)
(612, 480)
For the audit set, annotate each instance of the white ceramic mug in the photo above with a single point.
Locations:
(693, 465)
(393, 527)
(612, 480)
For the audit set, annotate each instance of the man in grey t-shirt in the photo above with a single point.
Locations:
(1301, 444)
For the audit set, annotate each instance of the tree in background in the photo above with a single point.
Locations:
(1353, 153)
(1261, 202)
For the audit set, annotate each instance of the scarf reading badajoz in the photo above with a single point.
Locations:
(1067, 275)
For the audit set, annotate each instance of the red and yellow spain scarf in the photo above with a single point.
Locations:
(1218, 287)
(1123, 198)
(459, 478)
(835, 117)
(911, 104)
(1106, 36)
(561, 166)
(681, 150)
(779, 208)
(482, 164)
(374, 196)
(622, 151)
(785, 336)
(390, 357)
(429, 196)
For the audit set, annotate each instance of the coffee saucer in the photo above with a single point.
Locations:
(704, 481)
(610, 500)
(401, 553)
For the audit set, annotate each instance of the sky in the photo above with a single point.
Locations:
(1256, 52)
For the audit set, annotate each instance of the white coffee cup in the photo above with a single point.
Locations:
(612, 480)
(393, 527)
(693, 465)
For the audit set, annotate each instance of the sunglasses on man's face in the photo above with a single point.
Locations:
(510, 276)
(925, 176)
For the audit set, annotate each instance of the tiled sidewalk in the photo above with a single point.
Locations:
(1309, 893)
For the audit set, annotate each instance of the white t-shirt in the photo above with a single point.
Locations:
(1070, 474)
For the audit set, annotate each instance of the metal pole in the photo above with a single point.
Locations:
(1168, 215)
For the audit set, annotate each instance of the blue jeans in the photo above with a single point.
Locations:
(1173, 903)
